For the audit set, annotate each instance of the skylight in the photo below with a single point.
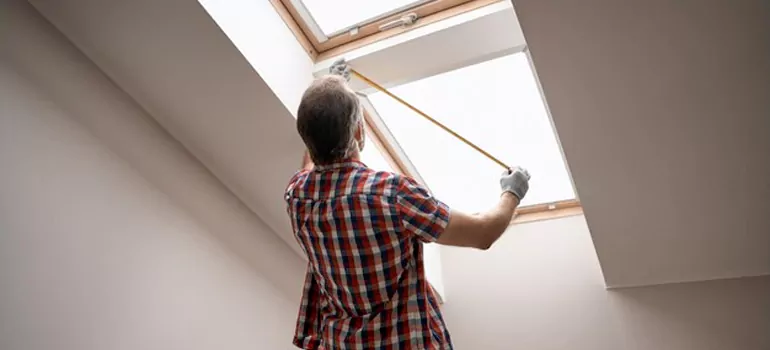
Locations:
(333, 16)
(324, 25)
(495, 104)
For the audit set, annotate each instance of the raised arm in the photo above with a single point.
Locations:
(483, 229)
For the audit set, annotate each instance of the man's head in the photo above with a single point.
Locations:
(329, 120)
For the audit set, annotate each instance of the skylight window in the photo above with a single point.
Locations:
(334, 16)
(495, 104)
(323, 25)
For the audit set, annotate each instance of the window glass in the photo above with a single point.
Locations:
(495, 104)
(333, 16)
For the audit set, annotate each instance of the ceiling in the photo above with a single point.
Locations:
(666, 140)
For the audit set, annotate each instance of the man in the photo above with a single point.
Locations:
(363, 230)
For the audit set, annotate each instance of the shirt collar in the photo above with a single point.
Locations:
(340, 165)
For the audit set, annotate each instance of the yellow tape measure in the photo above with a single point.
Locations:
(429, 118)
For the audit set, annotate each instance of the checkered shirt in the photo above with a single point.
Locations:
(365, 287)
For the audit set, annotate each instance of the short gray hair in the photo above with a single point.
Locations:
(327, 118)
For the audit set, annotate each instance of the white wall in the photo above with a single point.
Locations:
(264, 39)
(181, 68)
(112, 236)
(662, 108)
(540, 287)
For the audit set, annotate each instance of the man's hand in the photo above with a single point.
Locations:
(515, 181)
(340, 67)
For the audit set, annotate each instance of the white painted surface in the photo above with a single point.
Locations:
(433, 268)
(113, 236)
(540, 287)
(278, 57)
(662, 112)
(188, 75)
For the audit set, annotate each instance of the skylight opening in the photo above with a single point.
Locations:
(324, 25)
(495, 104)
(335, 16)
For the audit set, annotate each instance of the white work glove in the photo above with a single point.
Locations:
(516, 181)
(340, 67)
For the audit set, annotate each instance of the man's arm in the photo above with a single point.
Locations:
(479, 230)
(482, 230)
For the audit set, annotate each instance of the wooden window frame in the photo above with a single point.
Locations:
(369, 32)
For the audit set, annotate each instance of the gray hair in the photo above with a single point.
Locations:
(327, 119)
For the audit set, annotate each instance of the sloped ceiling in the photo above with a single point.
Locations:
(663, 111)
(175, 61)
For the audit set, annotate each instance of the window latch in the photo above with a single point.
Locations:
(405, 20)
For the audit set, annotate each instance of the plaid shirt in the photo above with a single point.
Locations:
(365, 286)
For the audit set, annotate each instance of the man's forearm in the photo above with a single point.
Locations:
(496, 220)
(479, 230)
(482, 230)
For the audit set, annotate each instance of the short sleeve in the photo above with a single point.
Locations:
(421, 214)
(293, 182)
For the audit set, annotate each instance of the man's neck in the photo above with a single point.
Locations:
(354, 157)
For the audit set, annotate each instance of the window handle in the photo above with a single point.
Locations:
(404, 21)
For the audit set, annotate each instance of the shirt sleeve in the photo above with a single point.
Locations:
(306, 335)
(421, 214)
(293, 182)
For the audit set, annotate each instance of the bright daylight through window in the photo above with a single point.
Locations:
(495, 104)
(333, 16)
